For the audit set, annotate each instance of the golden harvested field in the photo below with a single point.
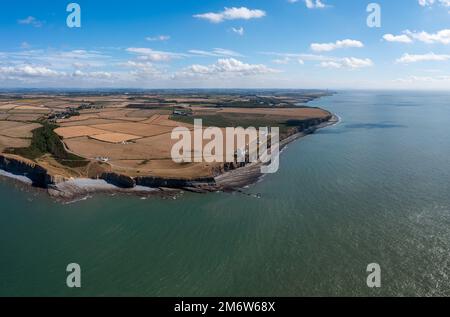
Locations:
(163, 120)
(52, 103)
(160, 145)
(9, 124)
(31, 101)
(31, 108)
(41, 112)
(15, 134)
(8, 107)
(144, 113)
(77, 131)
(152, 119)
(91, 148)
(118, 114)
(22, 131)
(140, 129)
(79, 118)
(194, 100)
(163, 168)
(8, 142)
(163, 144)
(24, 117)
(137, 141)
(88, 122)
(115, 137)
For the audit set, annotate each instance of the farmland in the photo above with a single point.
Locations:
(81, 133)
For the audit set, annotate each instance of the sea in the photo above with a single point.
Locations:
(374, 188)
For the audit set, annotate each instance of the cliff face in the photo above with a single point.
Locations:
(119, 180)
(157, 182)
(38, 175)
(227, 176)
(124, 181)
(41, 178)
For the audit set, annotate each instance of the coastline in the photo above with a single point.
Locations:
(76, 189)
(250, 174)
(80, 188)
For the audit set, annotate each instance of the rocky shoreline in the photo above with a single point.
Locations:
(72, 189)
(250, 174)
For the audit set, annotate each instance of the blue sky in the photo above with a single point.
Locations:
(226, 44)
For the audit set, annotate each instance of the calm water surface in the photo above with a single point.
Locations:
(375, 188)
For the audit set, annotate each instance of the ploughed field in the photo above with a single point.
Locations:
(87, 135)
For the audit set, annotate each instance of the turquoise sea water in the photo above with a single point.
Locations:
(375, 188)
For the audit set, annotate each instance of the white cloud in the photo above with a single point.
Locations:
(28, 71)
(142, 69)
(154, 56)
(426, 3)
(397, 38)
(33, 73)
(421, 82)
(74, 68)
(217, 52)
(282, 61)
(81, 65)
(324, 61)
(227, 67)
(158, 38)
(56, 59)
(31, 21)
(429, 57)
(327, 47)
(311, 4)
(78, 68)
(25, 45)
(240, 31)
(347, 62)
(423, 79)
(92, 75)
(287, 60)
(430, 3)
(303, 57)
(441, 37)
(231, 14)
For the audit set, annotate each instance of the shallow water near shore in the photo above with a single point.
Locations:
(374, 188)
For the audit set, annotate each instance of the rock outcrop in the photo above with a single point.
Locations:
(123, 181)
(157, 182)
(119, 180)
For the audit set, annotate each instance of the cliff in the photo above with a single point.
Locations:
(158, 182)
(23, 167)
(230, 176)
